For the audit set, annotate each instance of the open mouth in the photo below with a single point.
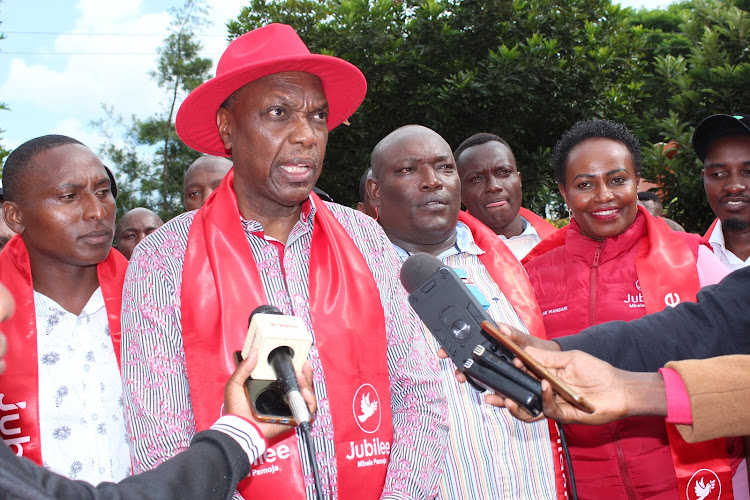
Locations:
(606, 214)
(735, 203)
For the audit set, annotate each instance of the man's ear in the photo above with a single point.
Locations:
(13, 217)
(224, 120)
(373, 190)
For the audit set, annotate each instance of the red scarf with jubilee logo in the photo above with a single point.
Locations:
(221, 286)
(667, 272)
(510, 277)
(541, 226)
(19, 390)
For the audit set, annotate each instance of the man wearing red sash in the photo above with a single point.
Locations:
(60, 397)
(491, 192)
(416, 188)
(263, 238)
(722, 143)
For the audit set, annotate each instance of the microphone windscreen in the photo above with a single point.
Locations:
(264, 309)
(417, 268)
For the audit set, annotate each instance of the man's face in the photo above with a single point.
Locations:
(491, 184)
(277, 132)
(133, 228)
(202, 178)
(417, 188)
(67, 214)
(726, 178)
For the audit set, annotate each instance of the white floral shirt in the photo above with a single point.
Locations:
(80, 393)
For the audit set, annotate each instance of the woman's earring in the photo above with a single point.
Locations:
(377, 213)
(570, 212)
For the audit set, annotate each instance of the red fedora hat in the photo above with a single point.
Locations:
(274, 48)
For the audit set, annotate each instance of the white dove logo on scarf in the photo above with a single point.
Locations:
(366, 408)
(702, 489)
(704, 485)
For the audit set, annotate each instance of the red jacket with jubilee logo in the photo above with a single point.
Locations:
(581, 284)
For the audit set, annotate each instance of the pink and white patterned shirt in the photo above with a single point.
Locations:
(157, 396)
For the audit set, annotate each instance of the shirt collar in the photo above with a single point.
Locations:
(528, 230)
(306, 217)
(717, 236)
(464, 244)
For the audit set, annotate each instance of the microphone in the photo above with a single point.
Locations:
(282, 343)
(454, 317)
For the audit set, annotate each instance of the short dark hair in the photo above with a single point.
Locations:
(476, 140)
(18, 162)
(648, 196)
(594, 129)
(363, 184)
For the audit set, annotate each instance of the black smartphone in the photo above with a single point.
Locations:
(267, 399)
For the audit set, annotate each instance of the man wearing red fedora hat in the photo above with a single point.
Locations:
(261, 238)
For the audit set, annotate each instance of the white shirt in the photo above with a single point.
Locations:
(80, 393)
(522, 244)
(726, 257)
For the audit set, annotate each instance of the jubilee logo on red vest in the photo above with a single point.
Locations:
(366, 410)
(704, 485)
(635, 299)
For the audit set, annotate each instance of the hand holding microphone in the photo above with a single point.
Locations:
(282, 343)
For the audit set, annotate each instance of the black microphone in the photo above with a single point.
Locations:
(454, 316)
(281, 361)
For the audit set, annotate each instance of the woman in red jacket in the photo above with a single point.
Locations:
(617, 262)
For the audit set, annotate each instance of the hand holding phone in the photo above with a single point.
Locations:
(263, 401)
(560, 387)
(267, 401)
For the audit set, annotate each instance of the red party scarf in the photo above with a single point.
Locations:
(508, 273)
(19, 396)
(540, 225)
(510, 277)
(221, 286)
(662, 249)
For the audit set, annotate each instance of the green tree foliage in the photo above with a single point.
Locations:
(524, 69)
(152, 160)
(701, 67)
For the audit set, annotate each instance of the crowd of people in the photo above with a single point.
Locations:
(119, 368)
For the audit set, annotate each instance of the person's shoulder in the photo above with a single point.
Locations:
(351, 218)
(170, 238)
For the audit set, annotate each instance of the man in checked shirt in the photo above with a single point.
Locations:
(263, 238)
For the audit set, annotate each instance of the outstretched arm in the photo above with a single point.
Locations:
(614, 393)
